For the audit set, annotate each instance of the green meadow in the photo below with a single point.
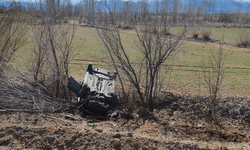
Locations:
(184, 75)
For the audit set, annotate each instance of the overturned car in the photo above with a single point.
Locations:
(96, 94)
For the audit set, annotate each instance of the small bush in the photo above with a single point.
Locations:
(195, 33)
(155, 31)
(206, 33)
(119, 26)
(243, 39)
(127, 27)
(168, 31)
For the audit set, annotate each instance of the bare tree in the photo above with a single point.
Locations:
(127, 10)
(12, 34)
(69, 10)
(52, 52)
(205, 9)
(143, 10)
(89, 11)
(155, 48)
(214, 73)
(175, 10)
(225, 17)
(246, 16)
(40, 89)
(238, 11)
(165, 10)
(211, 7)
(191, 10)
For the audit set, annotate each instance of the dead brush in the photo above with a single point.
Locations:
(17, 94)
(195, 33)
(168, 31)
(243, 39)
(206, 33)
(213, 69)
(130, 102)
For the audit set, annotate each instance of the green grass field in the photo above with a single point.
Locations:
(184, 78)
(230, 34)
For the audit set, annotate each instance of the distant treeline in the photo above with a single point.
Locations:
(123, 12)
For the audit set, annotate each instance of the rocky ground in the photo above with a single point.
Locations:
(177, 123)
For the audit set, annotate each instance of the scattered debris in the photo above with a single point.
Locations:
(90, 124)
(114, 114)
(116, 143)
(70, 118)
(98, 129)
(130, 134)
(140, 113)
(117, 135)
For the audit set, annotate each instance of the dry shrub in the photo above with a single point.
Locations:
(213, 69)
(243, 39)
(12, 35)
(195, 33)
(19, 93)
(206, 33)
(232, 110)
(40, 88)
(168, 31)
(126, 27)
(128, 101)
(52, 53)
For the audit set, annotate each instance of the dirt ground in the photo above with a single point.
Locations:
(175, 124)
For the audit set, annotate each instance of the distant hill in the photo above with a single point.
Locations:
(230, 6)
(220, 5)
